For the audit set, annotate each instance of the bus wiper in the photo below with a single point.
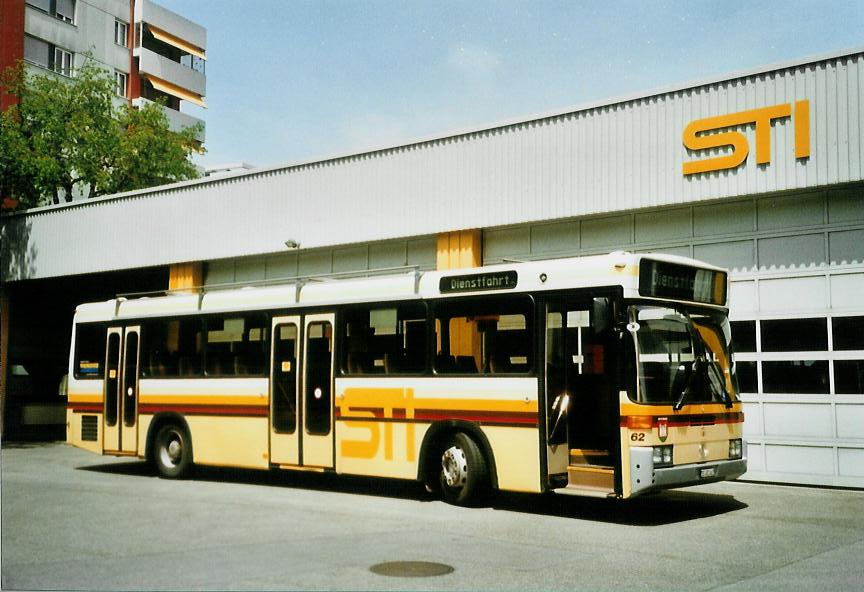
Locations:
(698, 364)
(718, 381)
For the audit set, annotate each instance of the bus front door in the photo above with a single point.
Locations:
(301, 391)
(579, 398)
(120, 414)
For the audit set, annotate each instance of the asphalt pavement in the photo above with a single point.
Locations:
(72, 520)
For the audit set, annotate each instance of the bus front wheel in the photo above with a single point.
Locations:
(464, 476)
(173, 452)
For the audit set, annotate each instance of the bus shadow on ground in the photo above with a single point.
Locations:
(667, 507)
(350, 484)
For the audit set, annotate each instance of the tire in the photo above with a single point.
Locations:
(172, 452)
(463, 473)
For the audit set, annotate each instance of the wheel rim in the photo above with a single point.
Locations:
(454, 467)
(172, 450)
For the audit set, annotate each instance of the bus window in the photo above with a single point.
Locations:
(89, 351)
(319, 341)
(285, 379)
(384, 340)
(236, 346)
(172, 348)
(113, 363)
(488, 336)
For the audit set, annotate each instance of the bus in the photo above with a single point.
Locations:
(606, 376)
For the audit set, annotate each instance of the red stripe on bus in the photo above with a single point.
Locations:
(480, 417)
(234, 410)
(424, 415)
(85, 407)
(652, 421)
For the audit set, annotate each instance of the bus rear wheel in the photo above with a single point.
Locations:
(464, 476)
(172, 452)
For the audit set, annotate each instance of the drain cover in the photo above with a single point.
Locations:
(411, 569)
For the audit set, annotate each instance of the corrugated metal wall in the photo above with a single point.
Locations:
(620, 156)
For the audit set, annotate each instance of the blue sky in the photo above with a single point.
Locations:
(297, 80)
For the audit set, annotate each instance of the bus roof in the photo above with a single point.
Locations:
(613, 269)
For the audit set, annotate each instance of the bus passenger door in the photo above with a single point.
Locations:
(580, 401)
(121, 390)
(284, 391)
(317, 392)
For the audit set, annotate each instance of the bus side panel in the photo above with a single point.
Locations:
(84, 414)
(517, 456)
(84, 425)
(143, 429)
(229, 441)
(382, 422)
(227, 417)
(379, 448)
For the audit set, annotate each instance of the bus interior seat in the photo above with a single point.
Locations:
(445, 363)
(189, 365)
(500, 364)
(219, 363)
(360, 362)
(159, 363)
(466, 365)
(248, 362)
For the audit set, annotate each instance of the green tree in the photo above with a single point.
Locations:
(73, 134)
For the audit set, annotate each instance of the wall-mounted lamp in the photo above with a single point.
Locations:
(292, 244)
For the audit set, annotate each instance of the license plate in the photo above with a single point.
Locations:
(708, 472)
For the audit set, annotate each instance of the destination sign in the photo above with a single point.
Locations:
(660, 279)
(498, 280)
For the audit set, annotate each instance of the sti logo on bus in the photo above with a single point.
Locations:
(498, 280)
(696, 139)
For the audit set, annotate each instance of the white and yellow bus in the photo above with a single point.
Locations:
(606, 376)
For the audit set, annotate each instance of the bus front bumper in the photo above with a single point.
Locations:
(644, 477)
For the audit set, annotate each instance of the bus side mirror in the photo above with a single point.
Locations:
(601, 315)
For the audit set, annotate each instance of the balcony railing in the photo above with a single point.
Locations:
(176, 119)
(168, 70)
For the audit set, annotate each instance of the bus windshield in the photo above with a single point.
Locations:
(684, 356)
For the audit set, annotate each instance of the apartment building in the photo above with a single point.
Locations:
(152, 53)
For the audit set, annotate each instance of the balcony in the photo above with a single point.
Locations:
(170, 22)
(176, 119)
(152, 63)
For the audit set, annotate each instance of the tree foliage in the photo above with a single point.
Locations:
(69, 136)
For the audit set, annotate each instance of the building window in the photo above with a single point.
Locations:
(42, 53)
(794, 335)
(65, 10)
(62, 62)
(795, 377)
(121, 33)
(744, 336)
(44, 5)
(37, 51)
(62, 9)
(120, 80)
(848, 333)
(849, 377)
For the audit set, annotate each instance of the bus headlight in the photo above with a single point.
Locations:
(735, 448)
(662, 456)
